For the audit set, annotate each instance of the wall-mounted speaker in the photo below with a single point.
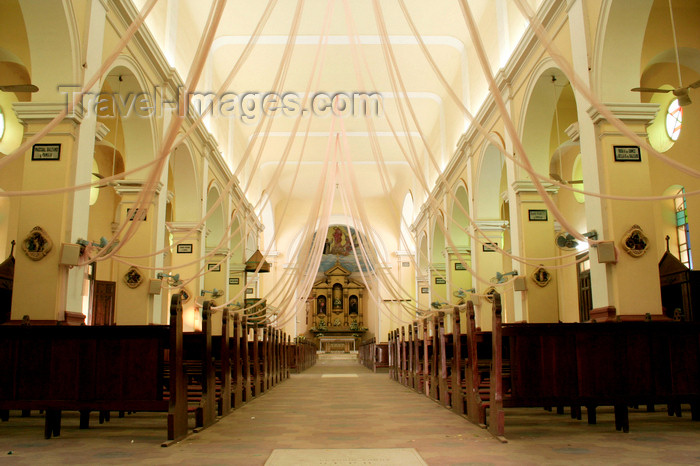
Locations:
(154, 286)
(607, 253)
(520, 284)
(70, 254)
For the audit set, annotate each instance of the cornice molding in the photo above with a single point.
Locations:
(216, 251)
(458, 250)
(527, 186)
(492, 225)
(184, 227)
(43, 112)
(627, 112)
(123, 187)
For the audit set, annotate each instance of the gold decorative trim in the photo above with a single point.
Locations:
(37, 244)
(133, 277)
(634, 242)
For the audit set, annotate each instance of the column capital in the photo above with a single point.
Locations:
(236, 268)
(437, 267)
(492, 225)
(458, 251)
(125, 187)
(216, 251)
(642, 113)
(43, 112)
(183, 227)
(527, 186)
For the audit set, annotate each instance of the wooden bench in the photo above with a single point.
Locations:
(616, 364)
(111, 368)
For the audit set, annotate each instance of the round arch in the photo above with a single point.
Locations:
(488, 189)
(215, 223)
(407, 240)
(52, 35)
(459, 220)
(438, 240)
(617, 53)
(423, 258)
(186, 205)
(126, 81)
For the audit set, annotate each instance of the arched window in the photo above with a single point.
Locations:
(674, 120)
(682, 230)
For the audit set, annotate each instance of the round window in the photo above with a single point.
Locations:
(674, 120)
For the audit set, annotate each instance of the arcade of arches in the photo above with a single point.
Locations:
(496, 145)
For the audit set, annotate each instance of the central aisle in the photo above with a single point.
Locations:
(340, 404)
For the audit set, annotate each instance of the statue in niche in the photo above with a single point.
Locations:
(352, 304)
(337, 296)
(321, 305)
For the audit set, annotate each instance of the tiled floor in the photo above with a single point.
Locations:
(352, 408)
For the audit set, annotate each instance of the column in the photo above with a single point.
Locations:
(182, 256)
(216, 278)
(631, 284)
(40, 285)
(134, 304)
(536, 240)
(490, 261)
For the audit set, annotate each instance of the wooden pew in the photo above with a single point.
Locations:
(110, 368)
(614, 364)
(476, 397)
(199, 366)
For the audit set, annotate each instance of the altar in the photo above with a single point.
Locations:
(336, 345)
(337, 310)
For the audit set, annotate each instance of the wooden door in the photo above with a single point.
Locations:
(585, 295)
(103, 303)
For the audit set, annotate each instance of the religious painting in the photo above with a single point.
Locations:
(133, 277)
(341, 245)
(541, 276)
(634, 242)
(185, 295)
(488, 294)
(321, 305)
(352, 304)
(37, 244)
